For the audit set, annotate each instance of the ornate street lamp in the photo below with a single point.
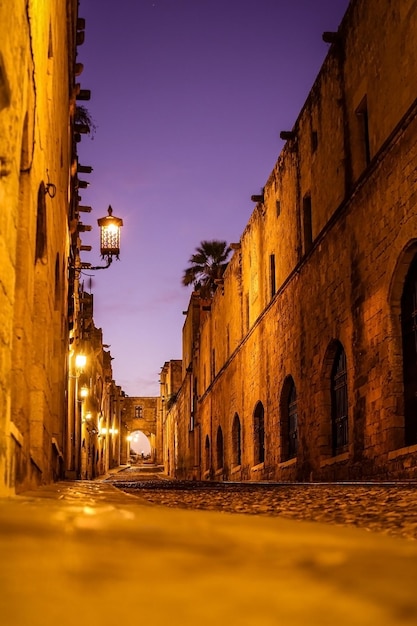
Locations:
(109, 239)
(110, 235)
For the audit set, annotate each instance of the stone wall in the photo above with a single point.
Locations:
(141, 413)
(37, 52)
(320, 267)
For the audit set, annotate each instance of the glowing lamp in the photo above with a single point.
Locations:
(110, 235)
(80, 361)
(84, 392)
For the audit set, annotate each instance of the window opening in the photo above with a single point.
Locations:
(409, 343)
(237, 441)
(339, 402)
(307, 224)
(138, 411)
(278, 207)
(259, 433)
(272, 275)
(219, 448)
(40, 245)
(314, 141)
(362, 114)
(207, 453)
(292, 422)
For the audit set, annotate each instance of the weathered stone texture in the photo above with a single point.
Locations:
(36, 56)
(338, 222)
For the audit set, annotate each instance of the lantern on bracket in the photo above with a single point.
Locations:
(109, 239)
(110, 235)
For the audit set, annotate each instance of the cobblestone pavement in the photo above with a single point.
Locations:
(79, 552)
(388, 508)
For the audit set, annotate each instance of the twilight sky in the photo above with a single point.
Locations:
(189, 98)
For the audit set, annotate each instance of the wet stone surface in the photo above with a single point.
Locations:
(389, 508)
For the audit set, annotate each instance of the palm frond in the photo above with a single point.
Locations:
(208, 264)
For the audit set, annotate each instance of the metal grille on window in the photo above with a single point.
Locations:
(237, 446)
(339, 403)
(259, 433)
(409, 341)
(292, 423)
(220, 451)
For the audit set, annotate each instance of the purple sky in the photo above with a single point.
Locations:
(189, 98)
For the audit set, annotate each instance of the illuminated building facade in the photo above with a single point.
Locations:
(304, 366)
(46, 320)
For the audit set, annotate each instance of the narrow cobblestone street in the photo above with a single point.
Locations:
(388, 508)
(79, 552)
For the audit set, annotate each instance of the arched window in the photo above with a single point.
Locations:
(207, 453)
(40, 245)
(292, 422)
(339, 400)
(289, 420)
(219, 448)
(259, 433)
(236, 441)
(409, 343)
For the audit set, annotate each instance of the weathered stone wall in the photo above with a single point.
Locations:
(140, 413)
(36, 71)
(170, 383)
(337, 228)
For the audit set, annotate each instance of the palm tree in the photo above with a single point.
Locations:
(208, 265)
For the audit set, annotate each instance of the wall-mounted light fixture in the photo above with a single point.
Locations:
(80, 362)
(84, 391)
(110, 235)
(109, 240)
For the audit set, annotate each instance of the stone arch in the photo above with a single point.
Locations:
(141, 442)
(397, 437)
(139, 413)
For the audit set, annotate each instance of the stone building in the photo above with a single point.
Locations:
(44, 432)
(139, 413)
(172, 432)
(95, 436)
(304, 365)
(37, 76)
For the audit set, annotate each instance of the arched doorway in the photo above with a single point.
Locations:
(140, 447)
